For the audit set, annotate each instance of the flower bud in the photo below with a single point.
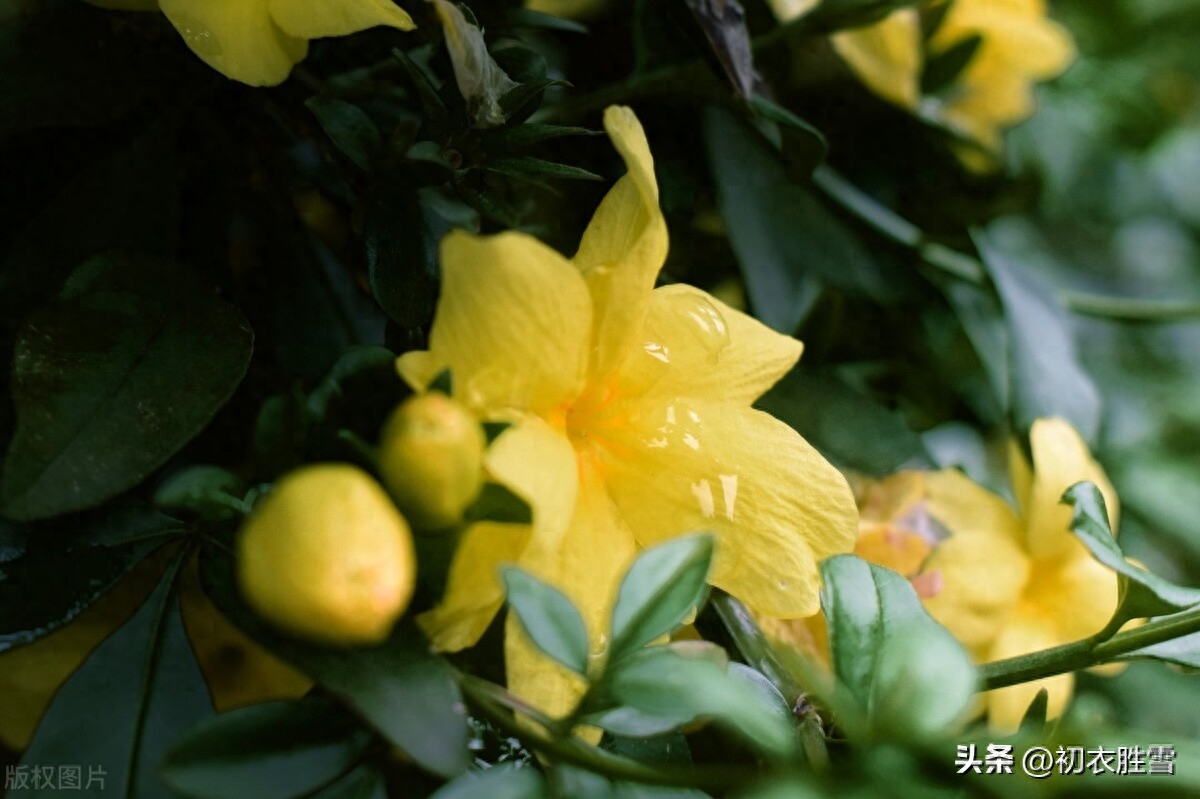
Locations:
(431, 458)
(326, 556)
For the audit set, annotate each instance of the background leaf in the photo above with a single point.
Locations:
(121, 371)
(549, 618)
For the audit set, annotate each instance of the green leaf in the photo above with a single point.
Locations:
(784, 238)
(209, 491)
(129, 701)
(512, 138)
(498, 782)
(353, 362)
(275, 749)
(529, 168)
(130, 362)
(1141, 593)
(349, 128)
(365, 782)
(46, 582)
(905, 672)
(497, 504)
(804, 147)
(578, 783)
(1033, 723)
(404, 691)
(846, 425)
(663, 587)
(548, 617)
(539, 19)
(1046, 376)
(981, 316)
(687, 680)
(942, 70)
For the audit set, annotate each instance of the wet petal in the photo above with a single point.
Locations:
(312, 19)
(1060, 459)
(623, 247)
(238, 38)
(587, 566)
(776, 505)
(982, 577)
(474, 592)
(694, 345)
(1007, 706)
(512, 322)
(886, 56)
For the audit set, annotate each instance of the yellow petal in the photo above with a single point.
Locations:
(886, 56)
(126, 5)
(788, 10)
(694, 345)
(776, 506)
(417, 368)
(238, 38)
(312, 19)
(898, 548)
(1007, 706)
(474, 592)
(964, 507)
(538, 464)
(623, 247)
(586, 565)
(1020, 475)
(1074, 590)
(1060, 459)
(893, 498)
(982, 577)
(569, 9)
(512, 322)
(238, 671)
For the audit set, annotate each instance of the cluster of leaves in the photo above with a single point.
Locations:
(203, 286)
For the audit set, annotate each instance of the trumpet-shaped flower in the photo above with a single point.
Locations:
(1018, 46)
(259, 41)
(631, 424)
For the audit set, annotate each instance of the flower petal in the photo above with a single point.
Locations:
(1007, 706)
(474, 592)
(512, 322)
(1060, 459)
(694, 345)
(538, 464)
(586, 565)
(623, 247)
(776, 505)
(312, 19)
(238, 38)
(886, 56)
(982, 577)
(964, 507)
(417, 368)
(1075, 590)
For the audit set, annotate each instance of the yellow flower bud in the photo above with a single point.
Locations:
(326, 556)
(431, 458)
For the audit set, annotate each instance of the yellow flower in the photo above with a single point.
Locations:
(259, 41)
(631, 424)
(1016, 582)
(1019, 46)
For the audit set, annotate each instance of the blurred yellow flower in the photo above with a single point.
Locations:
(631, 424)
(259, 41)
(1018, 47)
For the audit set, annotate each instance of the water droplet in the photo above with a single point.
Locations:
(692, 320)
(729, 487)
(198, 36)
(783, 584)
(704, 497)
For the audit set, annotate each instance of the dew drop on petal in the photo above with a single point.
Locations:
(704, 324)
(198, 36)
(704, 497)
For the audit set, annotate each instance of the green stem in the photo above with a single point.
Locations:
(1088, 652)
(1130, 310)
(495, 703)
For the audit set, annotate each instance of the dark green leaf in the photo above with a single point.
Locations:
(945, 68)
(129, 701)
(278, 749)
(680, 682)
(845, 425)
(526, 135)
(529, 168)
(46, 582)
(1142, 593)
(577, 783)
(364, 782)
(121, 371)
(499, 782)
(549, 619)
(399, 687)
(784, 238)
(209, 491)
(497, 504)
(979, 312)
(1033, 723)
(804, 147)
(349, 128)
(662, 588)
(1046, 376)
(431, 99)
(538, 19)
(354, 361)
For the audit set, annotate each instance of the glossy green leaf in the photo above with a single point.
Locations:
(534, 169)
(498, 782)
(687, 680)
(278, 749)
(110, 380)
(403, 690)
(47, 581)
(1046, 376)
(349, 128)
(548, 617)
(846, 425)
(923, 682)
(208, 491)
(1142, 593)
(663, 587)
(129, 701)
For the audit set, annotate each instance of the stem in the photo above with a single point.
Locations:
(1130, 310)
(494, 702)
(1088, 652)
